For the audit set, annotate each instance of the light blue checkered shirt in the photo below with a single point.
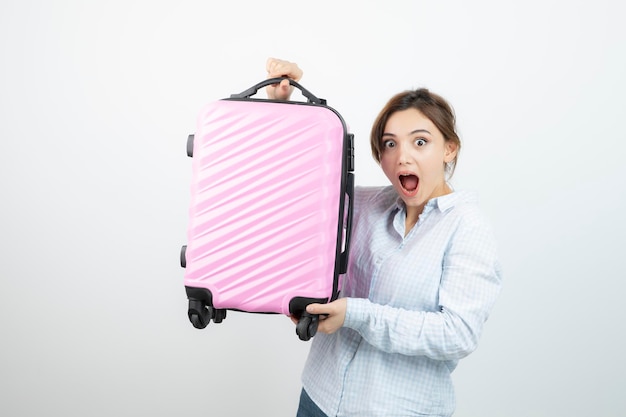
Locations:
(416, 305)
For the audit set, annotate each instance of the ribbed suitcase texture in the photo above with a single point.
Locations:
(270, 207)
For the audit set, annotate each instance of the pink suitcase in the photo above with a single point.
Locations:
(271, 208)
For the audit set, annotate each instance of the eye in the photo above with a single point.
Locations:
(389, 144)
(420, 142)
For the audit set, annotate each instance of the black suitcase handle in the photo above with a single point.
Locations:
(255, 88)
(343, 260)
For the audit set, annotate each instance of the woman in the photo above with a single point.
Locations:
(422, 278)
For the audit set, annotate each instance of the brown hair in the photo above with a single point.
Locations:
(431, 105)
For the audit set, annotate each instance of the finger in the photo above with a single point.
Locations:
(275, 67)
(281, 68)
(284, 85)
(316, 308)
(328, 325)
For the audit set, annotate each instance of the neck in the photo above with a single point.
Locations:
(413, 212)
(412, 215)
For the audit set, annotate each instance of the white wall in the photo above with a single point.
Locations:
(97, 99)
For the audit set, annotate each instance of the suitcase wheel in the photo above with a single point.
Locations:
(219, 315)
(199, 314)
(307, 326)
(197, 321)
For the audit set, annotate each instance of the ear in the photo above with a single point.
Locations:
(450, 151)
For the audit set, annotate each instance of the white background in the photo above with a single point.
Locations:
(97, 99)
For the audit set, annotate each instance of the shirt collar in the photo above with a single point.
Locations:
(445, 202)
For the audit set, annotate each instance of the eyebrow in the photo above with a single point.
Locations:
(412, 133)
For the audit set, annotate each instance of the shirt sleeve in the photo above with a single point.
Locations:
(470, 284)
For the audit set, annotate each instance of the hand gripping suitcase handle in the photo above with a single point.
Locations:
(343, 262)
(255, 88)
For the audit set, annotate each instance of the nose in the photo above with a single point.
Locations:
(404, 156)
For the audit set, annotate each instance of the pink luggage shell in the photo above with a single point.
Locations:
(269, 204)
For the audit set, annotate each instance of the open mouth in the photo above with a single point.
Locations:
(409, 182)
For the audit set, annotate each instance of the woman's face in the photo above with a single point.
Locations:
(414, 155)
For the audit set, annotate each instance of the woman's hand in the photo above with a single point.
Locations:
(281, 68)
(332, 315)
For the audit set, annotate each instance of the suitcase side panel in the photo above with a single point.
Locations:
(265, 198)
